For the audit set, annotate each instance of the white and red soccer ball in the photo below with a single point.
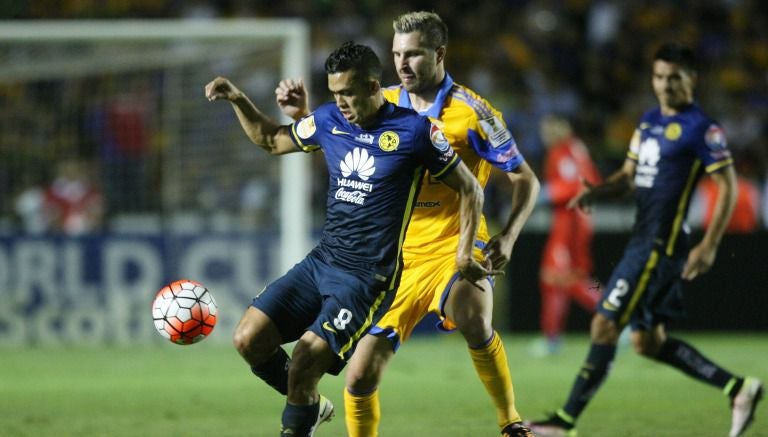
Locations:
(184, 312)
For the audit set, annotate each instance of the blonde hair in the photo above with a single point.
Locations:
(434, 32)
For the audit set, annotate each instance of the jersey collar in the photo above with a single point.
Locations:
(434, 110)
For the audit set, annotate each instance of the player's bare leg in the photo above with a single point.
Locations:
(361, 395)
(258, 341)
(470, 307)
(648, 343)
(305, 409)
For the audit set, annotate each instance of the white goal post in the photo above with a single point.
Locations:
(196, 39)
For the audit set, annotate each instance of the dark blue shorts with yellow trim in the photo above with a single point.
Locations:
(645, 288)
(337, 305)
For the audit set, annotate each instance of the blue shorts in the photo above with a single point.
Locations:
(645, 288)
(336, 304)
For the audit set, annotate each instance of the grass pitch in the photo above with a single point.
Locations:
(430, 389)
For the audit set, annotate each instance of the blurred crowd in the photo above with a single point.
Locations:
(588, 61)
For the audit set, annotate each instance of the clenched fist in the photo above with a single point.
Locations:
(221, 89)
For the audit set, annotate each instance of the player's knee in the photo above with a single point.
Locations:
(361, 380)
(256, 337)
(603, 330)
(645, 349)
(364, 377)
(311, 355)
(645, 344)
(250, 345)
(475, 328)
(241, 339)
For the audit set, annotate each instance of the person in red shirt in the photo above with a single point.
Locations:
(73, 205)
(566, 264)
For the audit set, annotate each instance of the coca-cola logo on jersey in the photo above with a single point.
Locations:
(357, 163)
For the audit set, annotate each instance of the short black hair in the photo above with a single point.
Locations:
(358, 57)
(676, 53)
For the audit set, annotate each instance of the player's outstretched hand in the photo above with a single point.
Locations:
(700, 260)
(473, 271)
(221, 89)
(291, 98)
(584, 199)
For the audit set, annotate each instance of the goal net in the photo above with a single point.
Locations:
(152, 181)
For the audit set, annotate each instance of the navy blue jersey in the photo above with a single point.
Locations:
(671, 153)
(374, 178)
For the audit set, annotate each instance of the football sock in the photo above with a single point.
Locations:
(362, 413)
(299, 419)
(490, 362)
(592, 374)
(734, 385)
(686, 358)
(274, 371)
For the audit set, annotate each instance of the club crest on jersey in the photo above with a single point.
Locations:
(306, 127)
(438, 139)
(673, 131)
(388, 141)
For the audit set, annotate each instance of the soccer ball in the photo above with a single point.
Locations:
(184, 312)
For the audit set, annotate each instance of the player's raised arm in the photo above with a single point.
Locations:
(264, 132)
(464, 182)
(525, 190)
(702, 256)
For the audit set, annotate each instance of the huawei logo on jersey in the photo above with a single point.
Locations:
(647, 159)
(650, 152)
(352, 190)
(358, 161)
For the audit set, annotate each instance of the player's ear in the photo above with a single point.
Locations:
(441, 53)
(374, 86)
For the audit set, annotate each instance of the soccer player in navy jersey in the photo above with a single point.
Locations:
(376, 155)
(674, 144)
(431, 282)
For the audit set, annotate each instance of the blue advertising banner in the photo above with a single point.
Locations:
(99, 289)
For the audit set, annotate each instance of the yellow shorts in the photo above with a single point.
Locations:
(424, 286)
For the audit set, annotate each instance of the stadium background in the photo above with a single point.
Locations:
(176, 189)
(158, 197)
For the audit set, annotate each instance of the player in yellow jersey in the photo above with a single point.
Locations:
(430, 281)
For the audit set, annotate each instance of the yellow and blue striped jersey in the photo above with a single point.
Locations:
(479, 135)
